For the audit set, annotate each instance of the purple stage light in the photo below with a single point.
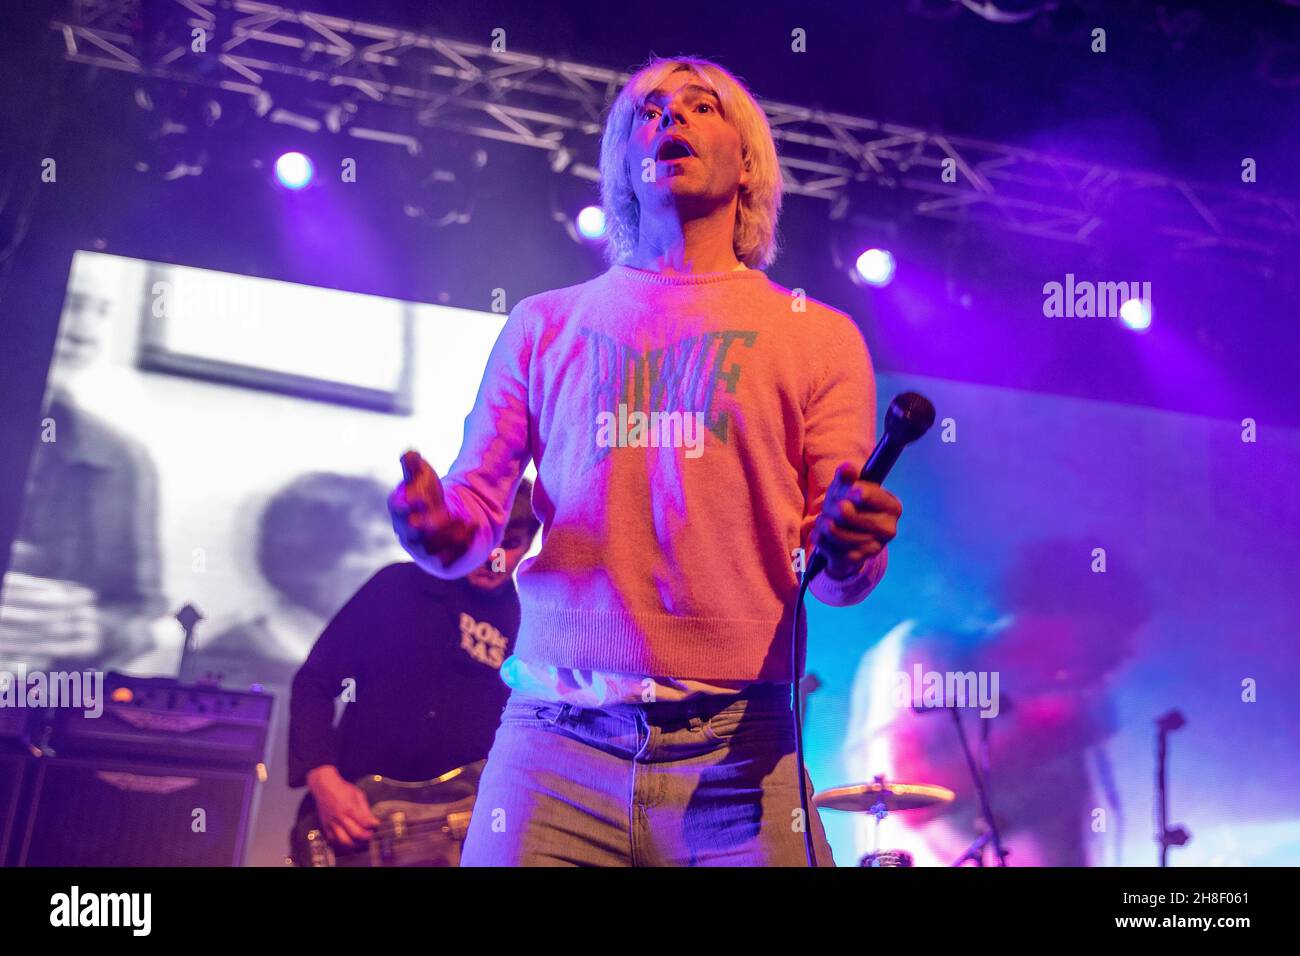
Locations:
(1136, 314)
(294, 170)
(876, 267)
(591, 222)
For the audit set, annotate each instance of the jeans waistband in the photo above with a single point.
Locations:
(763, 694)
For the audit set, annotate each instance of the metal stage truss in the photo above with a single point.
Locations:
(391, 84)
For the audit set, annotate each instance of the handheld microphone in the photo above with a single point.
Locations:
(909, 417)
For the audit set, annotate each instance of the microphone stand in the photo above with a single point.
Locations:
(188, 617)
(976, 850)
(1166, 836)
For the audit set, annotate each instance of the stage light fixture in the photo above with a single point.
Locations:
(294, 170)
(591, 223)
(1136, 314)
(876, 267)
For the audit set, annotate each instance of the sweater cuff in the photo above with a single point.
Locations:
(478, 550)
(306, 755)
(852, 589)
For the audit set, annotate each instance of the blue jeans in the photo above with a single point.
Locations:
(708, 781)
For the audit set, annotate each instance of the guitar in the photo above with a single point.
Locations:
(421, 824)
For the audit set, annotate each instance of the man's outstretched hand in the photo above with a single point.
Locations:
(420, 517)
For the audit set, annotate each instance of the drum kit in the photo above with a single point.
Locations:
(880, 798)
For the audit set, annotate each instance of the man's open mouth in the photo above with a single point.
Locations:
(671, 149)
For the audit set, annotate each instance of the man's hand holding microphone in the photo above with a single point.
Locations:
(420, 516)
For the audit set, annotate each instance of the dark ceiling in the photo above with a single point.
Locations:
(1183, 87)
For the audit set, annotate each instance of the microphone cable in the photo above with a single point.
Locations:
(909, 416)
(796, 647)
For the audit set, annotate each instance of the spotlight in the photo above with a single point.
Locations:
(575, 205)
(294, 170)
(591, 223)
(1136, 314)
(573, 191)
(876, 267)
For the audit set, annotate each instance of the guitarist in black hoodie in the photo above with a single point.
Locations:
(415, 661)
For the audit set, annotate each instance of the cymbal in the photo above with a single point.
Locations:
(865, 797)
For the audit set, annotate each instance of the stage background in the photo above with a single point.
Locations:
(1188, 508)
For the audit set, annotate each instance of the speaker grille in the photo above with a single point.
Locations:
(103, 813)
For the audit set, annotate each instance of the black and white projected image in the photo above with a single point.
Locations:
(210, 468)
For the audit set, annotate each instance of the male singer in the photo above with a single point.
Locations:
(697, 428)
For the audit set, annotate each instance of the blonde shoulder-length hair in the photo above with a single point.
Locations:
(754, 239)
